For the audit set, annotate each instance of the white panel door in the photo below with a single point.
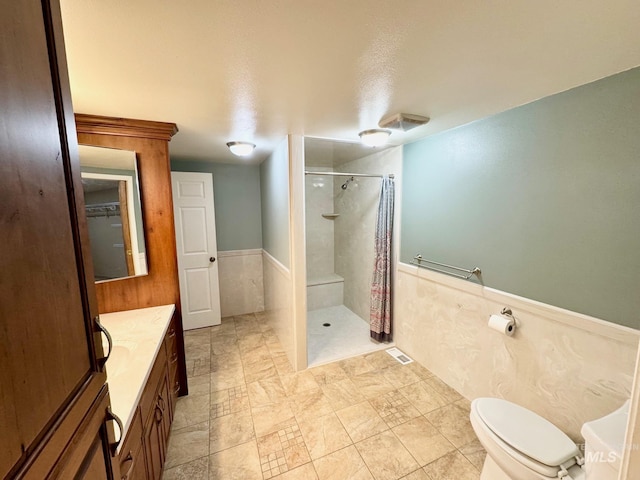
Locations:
(197, 251)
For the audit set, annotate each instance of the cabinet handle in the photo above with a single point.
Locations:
(115, 418)
(102, 361)
(161, 401)
(176, 390)
(174, 357)
(128, 459)
(172, 332)
(159, 414)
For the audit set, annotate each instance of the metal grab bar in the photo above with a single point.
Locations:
(417, 260)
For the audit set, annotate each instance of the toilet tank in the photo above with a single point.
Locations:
(604, 444)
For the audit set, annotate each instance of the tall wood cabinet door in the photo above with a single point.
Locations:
(89, 455)
(47, 342)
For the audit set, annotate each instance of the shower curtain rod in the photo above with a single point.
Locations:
(342, 174)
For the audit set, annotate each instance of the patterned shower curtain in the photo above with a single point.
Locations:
(380, 318)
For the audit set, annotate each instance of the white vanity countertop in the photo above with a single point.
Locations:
(137, 337)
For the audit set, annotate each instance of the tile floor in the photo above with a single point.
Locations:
(250, 416)
(347, 336)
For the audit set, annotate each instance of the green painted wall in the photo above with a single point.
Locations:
(236, 194)
(544, 198)
(274, 188)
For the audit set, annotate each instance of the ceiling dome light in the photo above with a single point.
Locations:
(241, 149)
(376, 137)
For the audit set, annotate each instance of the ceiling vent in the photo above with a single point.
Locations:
(403, 121)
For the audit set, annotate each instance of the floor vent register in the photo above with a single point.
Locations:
(399, 356)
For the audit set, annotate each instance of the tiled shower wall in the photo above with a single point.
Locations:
(565, 366)
(355, 227)
(319, 230)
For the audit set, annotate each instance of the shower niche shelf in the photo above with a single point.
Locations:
(330, 216)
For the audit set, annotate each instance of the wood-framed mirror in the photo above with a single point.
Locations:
(114, 212)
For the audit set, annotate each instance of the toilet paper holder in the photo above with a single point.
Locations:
(504, 323)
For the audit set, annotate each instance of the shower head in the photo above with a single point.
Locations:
(346, 184)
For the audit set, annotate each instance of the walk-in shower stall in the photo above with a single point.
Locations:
(342, 190)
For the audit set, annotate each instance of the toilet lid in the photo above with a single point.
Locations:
(526, 431)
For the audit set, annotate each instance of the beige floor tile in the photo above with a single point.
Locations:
(453, 466)
(329, 373)
(295, 383)
(282, 451)
(361, 421)
(371, 384)
(419, 370)
(305, 472)
(475, 453)
(201, 338)
(258, 355)
(198, 351)
(259, 371)
(250, 342)
(419, 474)
(356, 366)
(245, 329)
(345, 464)
(445, 391)
(423, 397)
(423, 440)
(310, 404)
(275, 348)
(394, 408)
(227, 378)
(227, 327)
(199, 366)
(324, 435)
(266, 391)
(226, 361)
(342, 394)
(230, 430)
(399, 375)
(381, 360)
(190, 410)
(223, 344)
(236, 463)
(199, 385)
(195, 470)
(231, 400)
(187, 444)
(271, 418)
(453, 422)
(386, 457)
(283, 365)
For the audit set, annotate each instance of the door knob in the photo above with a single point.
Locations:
(212, 259)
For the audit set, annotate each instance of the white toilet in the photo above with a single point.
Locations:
(522, 445)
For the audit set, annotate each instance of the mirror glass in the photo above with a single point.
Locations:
(114, 212)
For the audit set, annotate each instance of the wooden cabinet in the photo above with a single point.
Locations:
(144, 450)
(150, 141)
(53, 398)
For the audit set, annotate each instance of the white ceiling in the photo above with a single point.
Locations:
(257, 70)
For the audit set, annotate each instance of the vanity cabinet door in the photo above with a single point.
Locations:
(155, 435)
(49, 375)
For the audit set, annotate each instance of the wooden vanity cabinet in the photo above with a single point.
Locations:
(144, 450)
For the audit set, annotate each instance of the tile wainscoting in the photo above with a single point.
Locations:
(278, 303)
(241, 282)
(567, 367)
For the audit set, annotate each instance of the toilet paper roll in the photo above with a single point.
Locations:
(502, 324)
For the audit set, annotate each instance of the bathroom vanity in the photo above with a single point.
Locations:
(142, 374)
